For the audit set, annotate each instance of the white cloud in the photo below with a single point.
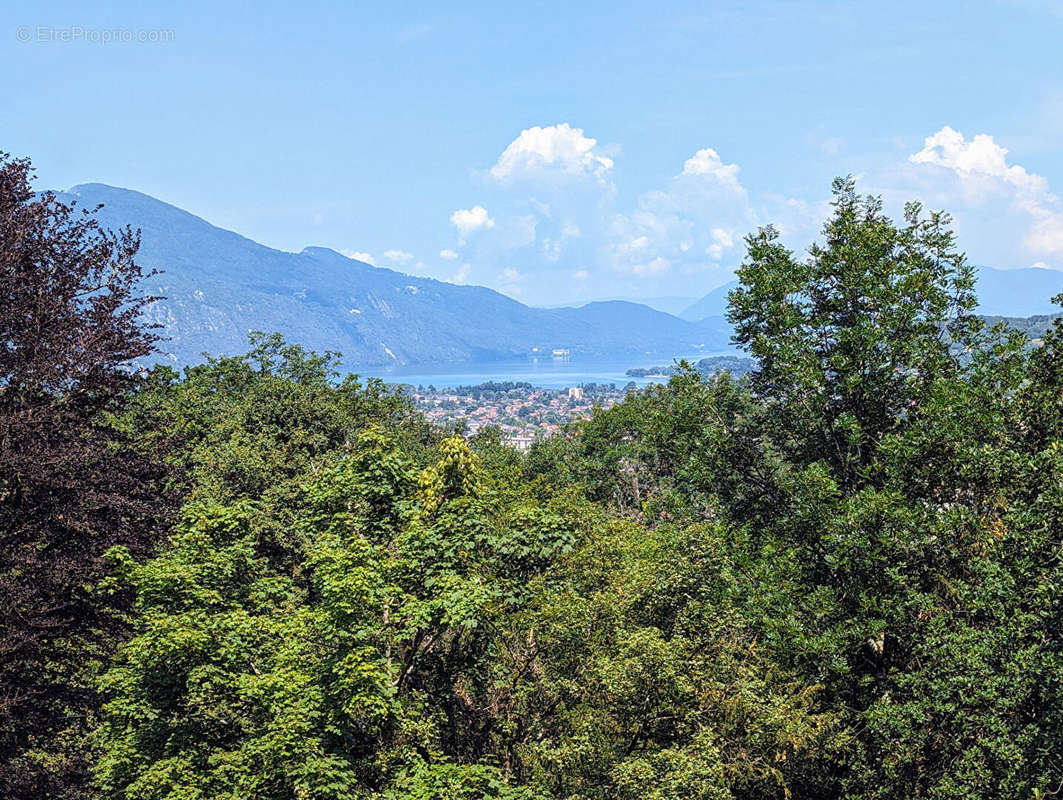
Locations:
(357, 255)
(707, 163)
(979, 157)
(550, 195)
(636, 245)
(543, 209)
(517, 232)
(468, 220)
(690, 226)
(398, 256)
(721, 240)
(554, 149)
(983, 174)
(1046, 235)
(555, 218)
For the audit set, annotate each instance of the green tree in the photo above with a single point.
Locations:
(849, 342)
(364, 659)
(250, 424)
(909, 596)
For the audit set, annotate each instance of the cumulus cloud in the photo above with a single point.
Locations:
(983, 175)
(706, 163)
(550, 193)
(556, 222)
(398, 256)
(653, 267)
(689, 226)
(358, 255)
(981, 156)
(469, 220)
(552, 150)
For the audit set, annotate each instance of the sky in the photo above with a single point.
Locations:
(557, 152)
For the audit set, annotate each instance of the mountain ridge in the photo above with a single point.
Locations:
(218, 285)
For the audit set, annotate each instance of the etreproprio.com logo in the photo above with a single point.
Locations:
(79, 33)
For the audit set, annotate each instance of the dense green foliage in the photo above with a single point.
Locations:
(839, 576)
(73, 483)
(706, 366)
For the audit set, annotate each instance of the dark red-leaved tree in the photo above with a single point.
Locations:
(72, 484)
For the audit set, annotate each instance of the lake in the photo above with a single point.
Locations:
(546, 373)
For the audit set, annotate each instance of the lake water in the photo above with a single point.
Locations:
(547, 373)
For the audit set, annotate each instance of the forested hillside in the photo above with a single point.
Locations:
(836, 577)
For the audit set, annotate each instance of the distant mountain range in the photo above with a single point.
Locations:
(1001, 293)
(714, 304)
(669, 304)
(219, 286)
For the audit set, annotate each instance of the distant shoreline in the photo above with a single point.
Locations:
(544, 374)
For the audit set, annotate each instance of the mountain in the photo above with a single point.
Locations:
(714, 304)
(219, 285)
(1001, 292)
(669, 304)
(1034, 327)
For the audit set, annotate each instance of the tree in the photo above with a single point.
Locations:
(253, 423)
(919, 571)
(365, 658)
(850, 341)
(887, 500)
(72, 484)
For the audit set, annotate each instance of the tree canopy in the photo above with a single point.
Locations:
(838, 576)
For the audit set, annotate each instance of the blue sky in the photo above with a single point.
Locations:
(555, 151)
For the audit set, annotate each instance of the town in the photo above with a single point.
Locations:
(521, 411)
